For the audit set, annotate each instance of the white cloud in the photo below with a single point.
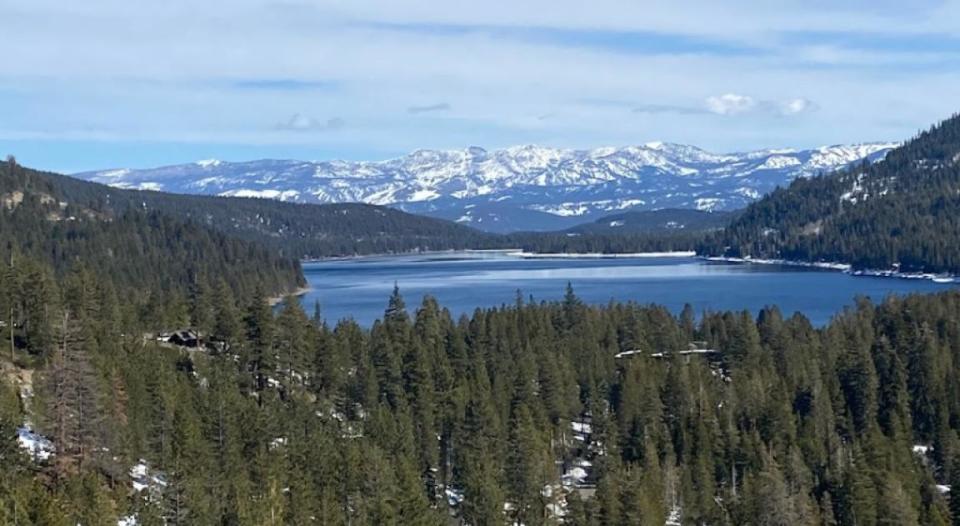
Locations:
(302, 123)
(734, 104)
(111, 66)
(730, 104)
(798, 106)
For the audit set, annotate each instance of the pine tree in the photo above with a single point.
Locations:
(202, 308)
(71, 394)
(227, 325)
(954, 501)
(260, 355)
(38, 302)
(528, 468)
(292, 342)
(895, 506)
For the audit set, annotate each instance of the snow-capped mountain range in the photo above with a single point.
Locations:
(517, 188)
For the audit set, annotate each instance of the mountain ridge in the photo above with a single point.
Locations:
(291, 229)
(664, 220)
(526, 187)
(898, 214)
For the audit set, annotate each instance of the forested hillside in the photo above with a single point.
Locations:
(142, 251)
(315, 231)
(527, 414)
(602, 243)
(902, 212)
(664, 221)
(294, 230)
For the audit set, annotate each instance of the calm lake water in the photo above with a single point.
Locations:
(359, 288)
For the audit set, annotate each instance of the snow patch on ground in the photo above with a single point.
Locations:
(843, 267)
(143, 477)
(761, 261)
(454, 497)
(776, 162)
(422, 195)
(594, 255)
(114, 173)
(282, 195)
(855, 193)
(563, 209)
(674, 517)
(35, 444)
(708, 204)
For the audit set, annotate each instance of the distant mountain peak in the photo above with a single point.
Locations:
(515, 188)
(208, 163)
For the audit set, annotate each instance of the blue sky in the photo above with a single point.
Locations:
(114, 83)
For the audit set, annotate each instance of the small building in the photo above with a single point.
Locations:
(184, 338)
(191, 339)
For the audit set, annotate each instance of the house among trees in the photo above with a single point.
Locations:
(181, 338)
(191, 339)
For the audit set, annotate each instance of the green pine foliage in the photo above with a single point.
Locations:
(295, 421)
(901, 212)
(154, 257)
(532, 413)
(287, 229)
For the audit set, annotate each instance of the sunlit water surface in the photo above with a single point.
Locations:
(359, 288)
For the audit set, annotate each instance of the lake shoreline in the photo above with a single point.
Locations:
(358, 257)
(513, 252)
(463, 282)
(601, 255)
(299, 291)
(846, 268)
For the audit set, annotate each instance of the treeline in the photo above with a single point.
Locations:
(293, 230)
(423, 418)
(144, 253)
(903, 211)
(663, 221)
(566, 242)
(317, 231)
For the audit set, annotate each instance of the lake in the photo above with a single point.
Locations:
(461, 281)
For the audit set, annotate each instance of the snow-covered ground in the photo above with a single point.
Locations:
(144, 478)
(37, 446)
(843, 267)
(674, 517)
(519, 180)
(787, 262)
(599, 255)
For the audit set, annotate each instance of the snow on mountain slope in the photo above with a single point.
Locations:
(553, 188)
